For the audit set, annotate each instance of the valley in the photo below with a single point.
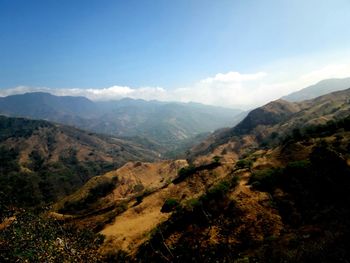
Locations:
(167, 127)
(187, 131)
(273, 187)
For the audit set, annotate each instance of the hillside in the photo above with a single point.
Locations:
(166, 124)
(41, 161)
(321, 88)
(274, 188)
(275, 120)
(242, 200)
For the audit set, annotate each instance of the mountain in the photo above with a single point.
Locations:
(272, 113)
(41, 161)
(273, 188)
(42, 105)
(321, 88)
(275, 120)
(167, 124)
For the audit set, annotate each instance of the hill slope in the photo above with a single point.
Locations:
(239, 199)
(51, 160)
(272, 189)
(274, 121)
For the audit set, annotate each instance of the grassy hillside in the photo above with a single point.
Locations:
(274, 189)
(41, 161)
(242, 198)
(291, 205)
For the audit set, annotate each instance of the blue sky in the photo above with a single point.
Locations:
(169, 45)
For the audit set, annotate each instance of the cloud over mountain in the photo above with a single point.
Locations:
(231, 89)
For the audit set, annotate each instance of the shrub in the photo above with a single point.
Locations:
(184, 173)
(193, 203)
(191, 169)
(216, 159)
(244, 163)
(139, 199)
(100, 190)
(169, 205)
(218, 190)
(265, 180)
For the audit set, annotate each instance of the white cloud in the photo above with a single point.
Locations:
(231, 89)
(232, 77)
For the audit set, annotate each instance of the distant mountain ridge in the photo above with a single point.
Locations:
(321, 88)
(166, 123)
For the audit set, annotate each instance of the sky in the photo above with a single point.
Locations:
(233, 53)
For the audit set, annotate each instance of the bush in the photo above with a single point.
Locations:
(244, 163)
(216, 159)
(191, 169)
(218, 190)
(100, 190)
(265, 180)
(193, 203)
(184, 173)
(139, 199)
(169, 205)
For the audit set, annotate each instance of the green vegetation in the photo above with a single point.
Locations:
(194, 220)
(216, 159)
(53, 168)
(308, 198)
(8, 160)
(191, 169)
(101, 189)
(315, 131)
(305, 133)
(244, 164)
(167, 127)
(34, 238)
(44, 182)
(218, 190)
(19, 127)
(184, 173)
(265, 179)
(16, 187)
(169, 205)
(314, 191)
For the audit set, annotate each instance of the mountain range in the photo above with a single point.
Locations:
(266, 189)
(166, 124)
(273, 188)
